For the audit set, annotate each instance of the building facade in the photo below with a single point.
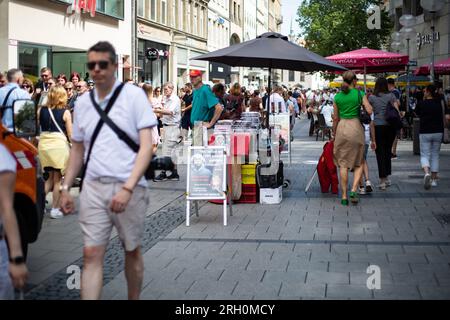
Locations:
(44, 33)
(219, 37)
(262, 16)
(170, 33)
(421, 47)
(237, 34)
(275, 22)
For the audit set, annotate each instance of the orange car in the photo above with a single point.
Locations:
(29, 198)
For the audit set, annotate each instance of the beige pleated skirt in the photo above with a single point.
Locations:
(349, 144)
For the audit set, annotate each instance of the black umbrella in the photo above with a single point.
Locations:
(271, 50)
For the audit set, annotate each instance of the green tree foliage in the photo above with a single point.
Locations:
(335, 26)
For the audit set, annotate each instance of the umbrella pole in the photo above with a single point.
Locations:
(268, 99)
(365, 78)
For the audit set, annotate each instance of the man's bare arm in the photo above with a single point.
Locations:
(75, 163)
(143, 158)
(215, 118)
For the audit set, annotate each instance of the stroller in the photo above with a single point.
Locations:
(327, 171)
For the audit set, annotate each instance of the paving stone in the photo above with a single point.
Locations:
(397, 292)
(322, 277)
(348, 292)
(305, 291)
(435, 293)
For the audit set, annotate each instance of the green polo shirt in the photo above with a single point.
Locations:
(348, 103)
(203, 104)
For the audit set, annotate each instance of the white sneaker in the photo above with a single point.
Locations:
(427, 181)
(369, 187)
(56, 214)
(362, 191)
(434, 183)
(388, 183)
(382, 186)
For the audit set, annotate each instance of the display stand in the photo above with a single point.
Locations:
(283, 120)
(206, 178)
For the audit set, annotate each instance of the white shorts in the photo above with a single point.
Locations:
(97, 220)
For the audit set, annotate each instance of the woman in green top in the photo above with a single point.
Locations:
(349, 134)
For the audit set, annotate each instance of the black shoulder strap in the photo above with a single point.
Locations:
(119, 132)
(7, 97)
(99, 126)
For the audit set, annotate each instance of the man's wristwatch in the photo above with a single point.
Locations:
(64, 188)
(17, 260)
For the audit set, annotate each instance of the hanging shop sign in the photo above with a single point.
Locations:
(154, 54)
(423, 39)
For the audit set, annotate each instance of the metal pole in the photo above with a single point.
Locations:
(432, 47)
(268, 99)
(407, 77)
(365, 78)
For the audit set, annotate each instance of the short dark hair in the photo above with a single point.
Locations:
(431, 88)
(105, 47)
(218, 87)
(391, 81)
(189, 85)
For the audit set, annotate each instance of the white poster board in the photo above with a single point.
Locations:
(283, 120)
(206, 177)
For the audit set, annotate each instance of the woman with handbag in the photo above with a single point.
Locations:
(385, 132)
(349, 134)
(431, 112)
(54, 145)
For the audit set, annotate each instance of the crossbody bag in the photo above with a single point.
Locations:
(99, 126)
(58, 127)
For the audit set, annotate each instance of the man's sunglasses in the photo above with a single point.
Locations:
(103, 64)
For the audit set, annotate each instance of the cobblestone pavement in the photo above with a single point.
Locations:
(308, 247)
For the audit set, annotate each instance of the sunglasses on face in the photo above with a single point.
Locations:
(25, 86)
(103, 64)
(69, 88)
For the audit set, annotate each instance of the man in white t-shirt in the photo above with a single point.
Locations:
(114, 190)
(14, 273)
(171, 136)
(277, 103)
(327, 110)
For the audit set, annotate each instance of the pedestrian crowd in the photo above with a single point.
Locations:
(73, 114)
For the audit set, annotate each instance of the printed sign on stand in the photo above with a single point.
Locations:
(283, 120)
(206, 177)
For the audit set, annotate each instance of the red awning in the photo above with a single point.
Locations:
(374, 61)
(440, 68)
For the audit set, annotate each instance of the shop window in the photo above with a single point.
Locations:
(164, 12)
(140, 8)
(291, 76)
(32, 59)
(153, 10)
(113, 8)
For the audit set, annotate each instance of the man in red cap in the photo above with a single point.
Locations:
(205, 105)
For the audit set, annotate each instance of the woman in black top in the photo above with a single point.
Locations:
(53, 142)
(431, 113)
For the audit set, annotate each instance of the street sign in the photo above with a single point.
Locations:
(412, 63)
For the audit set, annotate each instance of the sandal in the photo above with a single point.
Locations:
(354, 197)
(344, 202)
